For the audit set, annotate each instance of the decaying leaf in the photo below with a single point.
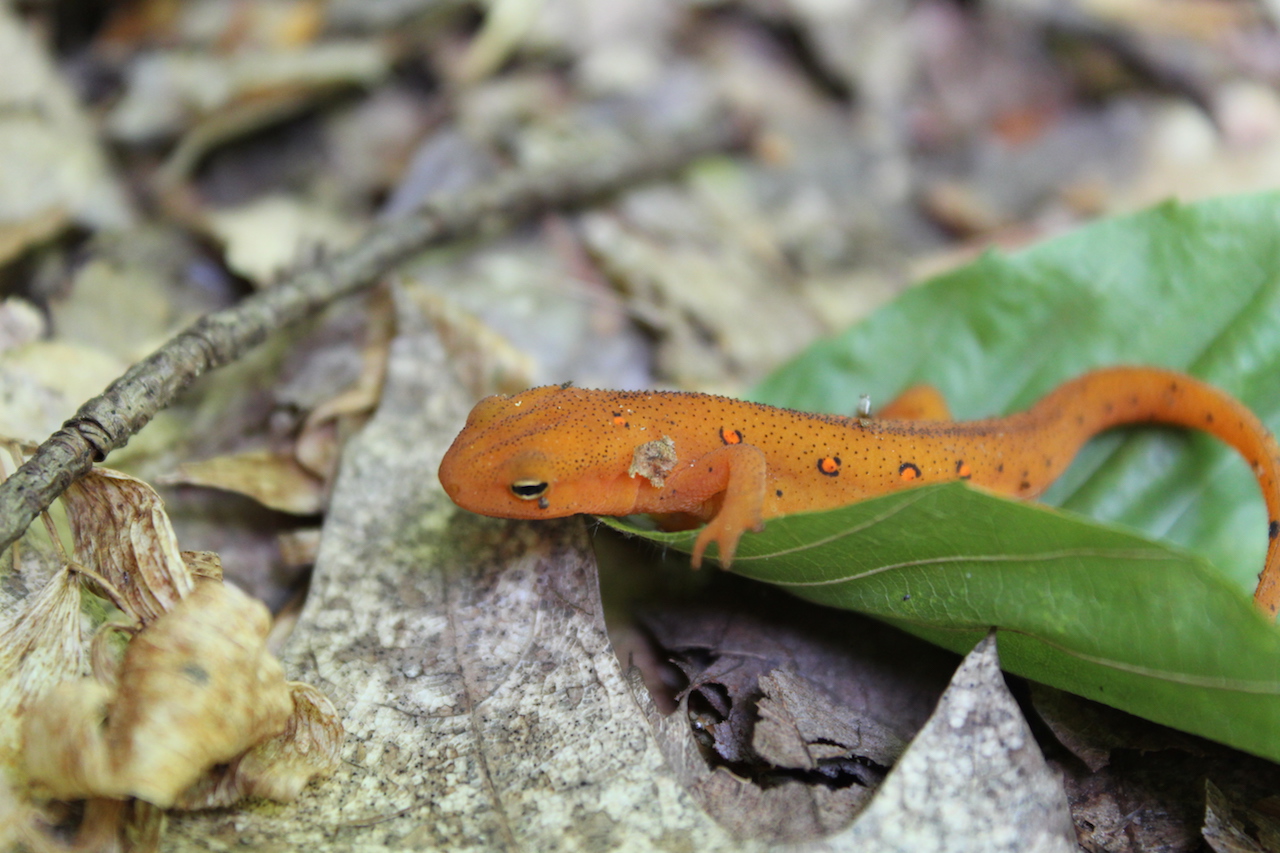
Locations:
(1234, 828)
(195, 688)
(973, 779)
(51, 164)
(1091, 731)
(121, 530)
(42, 383)
(269, 235)
(274, 480)
(800, 727)
(163, 91)
(797, 710)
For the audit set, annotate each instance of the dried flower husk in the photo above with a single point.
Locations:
(120, 529)
(41, 645)
(195, 688)
(277, 769)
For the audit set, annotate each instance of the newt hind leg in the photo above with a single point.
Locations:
(917, 403)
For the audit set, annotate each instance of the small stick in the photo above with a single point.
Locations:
(108, 421)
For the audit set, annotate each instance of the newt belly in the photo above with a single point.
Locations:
(559, 450)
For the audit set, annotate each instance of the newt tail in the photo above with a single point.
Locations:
(1112, 397)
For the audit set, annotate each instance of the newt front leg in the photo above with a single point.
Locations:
(736, 475)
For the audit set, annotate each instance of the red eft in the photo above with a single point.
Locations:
(559, 450)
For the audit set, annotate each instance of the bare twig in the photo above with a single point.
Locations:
(108, 421)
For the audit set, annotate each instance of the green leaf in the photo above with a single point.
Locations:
(1191, 287)
(1084, 606)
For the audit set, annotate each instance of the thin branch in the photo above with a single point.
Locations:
(108, 421)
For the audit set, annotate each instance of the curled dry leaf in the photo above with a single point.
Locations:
(195, 688)
(274, 480)
(280, 768)
(334, 419)
(486, 362)
(40, 645)
(120, 528)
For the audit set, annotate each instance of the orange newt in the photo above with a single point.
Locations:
(559, 450)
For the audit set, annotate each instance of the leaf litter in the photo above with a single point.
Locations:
(193, 712)
(933, 123)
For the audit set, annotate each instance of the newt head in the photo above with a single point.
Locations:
(541, 453)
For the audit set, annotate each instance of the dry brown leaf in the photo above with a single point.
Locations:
(40, 227)
(715, 300)
(108, 826)
(195, 688)
(21, 323)
(333, 420)
(166, 90)
(43, 382)
(801, 727)
(269, 235)
(120, 529)
(50, 157)
(275, 480)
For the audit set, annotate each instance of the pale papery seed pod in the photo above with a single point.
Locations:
(41, 644)
(120, 528)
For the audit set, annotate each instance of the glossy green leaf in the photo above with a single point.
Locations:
(1156, 630)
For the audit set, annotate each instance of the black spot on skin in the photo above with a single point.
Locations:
(1024, 486)
(778, 493)
(1000, 468)
(196, 673)
(1208, 417)
(1273, 529)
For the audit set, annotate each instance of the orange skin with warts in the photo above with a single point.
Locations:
(558, 450)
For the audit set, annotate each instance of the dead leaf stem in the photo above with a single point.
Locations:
(108, 421)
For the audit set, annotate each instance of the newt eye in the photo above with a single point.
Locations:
(528, 490)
